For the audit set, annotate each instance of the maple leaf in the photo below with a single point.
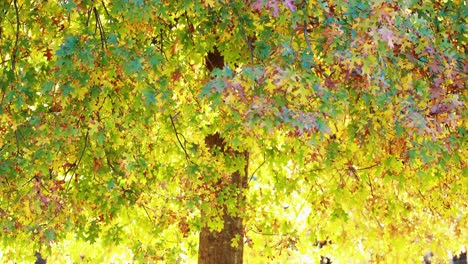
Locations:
(97, 164)
(273, 4)
(269, 4)
(48, 54)
(438, 109)
(258, 5)
(290, 4)
(434, 67)
(209, 3)
(387, 35)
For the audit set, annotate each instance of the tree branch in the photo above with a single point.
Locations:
(100, 27)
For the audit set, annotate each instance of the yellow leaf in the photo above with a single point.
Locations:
(209, 3)
(270, 87)
(27, 209)
(131, 179)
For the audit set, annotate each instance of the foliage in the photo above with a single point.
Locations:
(353, 114)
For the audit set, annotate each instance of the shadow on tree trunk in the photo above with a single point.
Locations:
(39, 259)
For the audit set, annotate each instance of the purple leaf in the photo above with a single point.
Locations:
(290, 4)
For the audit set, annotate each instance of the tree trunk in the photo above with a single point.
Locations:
(215, 247)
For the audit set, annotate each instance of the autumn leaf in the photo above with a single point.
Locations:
(387, 36)
(290, 5)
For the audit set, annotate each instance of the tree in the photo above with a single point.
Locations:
(117, 130)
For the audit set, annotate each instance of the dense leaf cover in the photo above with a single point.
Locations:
(353, 114)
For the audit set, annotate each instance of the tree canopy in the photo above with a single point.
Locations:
(353, 115)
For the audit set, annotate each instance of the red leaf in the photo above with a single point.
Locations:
(97, 164)
(48, 54)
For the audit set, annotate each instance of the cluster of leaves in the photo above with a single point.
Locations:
(354, 111)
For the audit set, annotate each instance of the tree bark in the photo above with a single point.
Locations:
(215, 247)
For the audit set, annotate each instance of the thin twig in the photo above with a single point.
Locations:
(190, 25)
(249, 44)
(18, 148)
(89, 16)
(109, 163)
(77, 163)
(149, 217)
(306, 37)
(267, 234)
(178, 139)
(244, 36)
(370, 185)
(306, 23)
(105, 9)
(8, 60)
(255, 171)
(15, 48)
(369, 167)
